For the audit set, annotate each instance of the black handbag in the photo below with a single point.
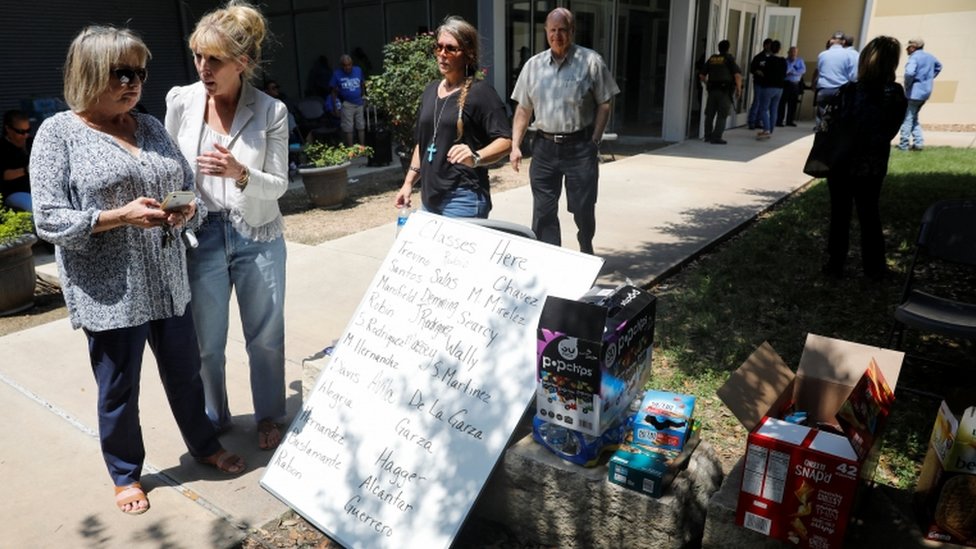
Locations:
(835, 135)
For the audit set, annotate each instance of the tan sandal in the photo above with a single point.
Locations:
(132, 495)
(225, 462)
(269, 434)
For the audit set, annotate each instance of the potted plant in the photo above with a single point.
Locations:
(324, 171)
(16, 261)
(408, 66)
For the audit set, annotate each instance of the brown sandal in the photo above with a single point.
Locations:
(225, 462)
(269, 434)
(133, 495)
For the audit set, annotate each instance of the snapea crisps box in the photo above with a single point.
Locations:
(945, 495)
(800, 481)
(594, 356)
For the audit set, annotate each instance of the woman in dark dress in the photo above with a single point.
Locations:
(873, 110)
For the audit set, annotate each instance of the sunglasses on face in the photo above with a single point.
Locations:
(126, 75)
(19, 131)
(449, 49)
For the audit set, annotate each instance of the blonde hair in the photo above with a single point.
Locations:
(91, 56)
(467, 38)
(234, 31)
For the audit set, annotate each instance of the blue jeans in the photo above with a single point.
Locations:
(754, 119)
(768, 99)
(116, 361)
(576, 162)
(226, 259)
(910, 129)
(462, 202)
(19, 201)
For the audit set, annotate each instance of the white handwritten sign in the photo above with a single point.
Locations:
(425, 387)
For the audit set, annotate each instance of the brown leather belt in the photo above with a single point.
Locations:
(559, 138)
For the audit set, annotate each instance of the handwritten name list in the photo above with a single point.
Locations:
(426, 385)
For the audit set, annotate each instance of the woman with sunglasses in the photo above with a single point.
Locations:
(462, 126)
(237, 139)
(99, 172)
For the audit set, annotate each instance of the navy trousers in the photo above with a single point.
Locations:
(577, 162)
(116, 360)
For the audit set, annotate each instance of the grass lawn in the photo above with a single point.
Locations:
(765, 284)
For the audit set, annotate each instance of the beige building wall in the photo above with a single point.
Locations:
(947, 26)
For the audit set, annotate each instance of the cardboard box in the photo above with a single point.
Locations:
(649, 470)
(664, 420)
(594, 356)
(800, 481)
(945, 495)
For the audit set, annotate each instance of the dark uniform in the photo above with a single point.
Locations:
(719, 71)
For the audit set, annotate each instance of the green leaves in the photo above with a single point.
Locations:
(323, 155)
(14, 224)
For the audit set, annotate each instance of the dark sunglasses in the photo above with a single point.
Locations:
(447, 48)
(19, 131)
(126, 75)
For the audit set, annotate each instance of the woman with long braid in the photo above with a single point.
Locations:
(461, 127)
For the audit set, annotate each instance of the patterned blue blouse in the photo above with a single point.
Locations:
(125, 276)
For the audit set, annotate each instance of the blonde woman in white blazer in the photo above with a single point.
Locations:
(236, 138)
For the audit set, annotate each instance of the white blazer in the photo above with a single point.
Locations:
(259, 140)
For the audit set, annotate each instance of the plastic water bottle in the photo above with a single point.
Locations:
(559, 438)
(403, 213)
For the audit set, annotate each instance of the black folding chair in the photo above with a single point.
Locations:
(941, 281)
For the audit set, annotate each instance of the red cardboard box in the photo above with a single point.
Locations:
(945, 495)
(800, 481)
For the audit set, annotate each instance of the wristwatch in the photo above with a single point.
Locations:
(476, 158)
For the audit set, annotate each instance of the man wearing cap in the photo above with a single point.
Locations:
(920, 70)
(835, 67)
(568, 88)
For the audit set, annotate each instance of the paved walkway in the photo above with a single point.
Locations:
(655, 212)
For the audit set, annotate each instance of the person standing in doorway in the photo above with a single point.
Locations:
(14, 159)
(920, 72)
(568, 88)
(722, 78)
(774, 76)
(792, 88)
(757, 68)
(347, 95)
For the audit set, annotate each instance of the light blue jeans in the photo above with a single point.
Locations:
(226, 259)
(768, 99)
(910, 129)
(462, 202)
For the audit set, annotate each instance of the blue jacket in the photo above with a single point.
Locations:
(920, 71)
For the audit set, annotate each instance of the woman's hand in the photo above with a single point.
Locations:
(403, 196)
(142, 212)
(220, 162)
(461, 154)
(179, 217)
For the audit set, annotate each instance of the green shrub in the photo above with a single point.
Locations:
(14, 224)
(323, 155)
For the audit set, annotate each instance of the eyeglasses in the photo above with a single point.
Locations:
(449, 49)
(19, 131)
(125, 75)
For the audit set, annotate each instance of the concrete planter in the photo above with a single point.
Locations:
(17, 275)
(326, 187)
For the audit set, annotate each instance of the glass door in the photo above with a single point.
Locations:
(782, 24)
(741, 34)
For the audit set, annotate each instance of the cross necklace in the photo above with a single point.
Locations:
(432, 148)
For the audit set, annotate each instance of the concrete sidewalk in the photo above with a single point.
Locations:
(656, 211)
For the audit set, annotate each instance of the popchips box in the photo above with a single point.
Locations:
(594, 356)
(945, 496)
(664, 420)
(799, 481)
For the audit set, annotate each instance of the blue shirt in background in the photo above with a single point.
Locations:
(348, 86)
(920, 71)
(836, 67)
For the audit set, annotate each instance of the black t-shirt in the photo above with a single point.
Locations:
(13, 158)
(775, 71)
(484, 120)
(720, 70)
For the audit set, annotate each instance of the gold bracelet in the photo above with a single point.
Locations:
(242, 181)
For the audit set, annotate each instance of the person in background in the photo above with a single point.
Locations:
(347, 86)
(722, 78)
(122, 263)
(237, 139)
(920, 72)
(757, 70)
(461, 125)
(835, 67)
(14, 160)
(774, 77)
(792, 88)
(875, 108)
(568, 88)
